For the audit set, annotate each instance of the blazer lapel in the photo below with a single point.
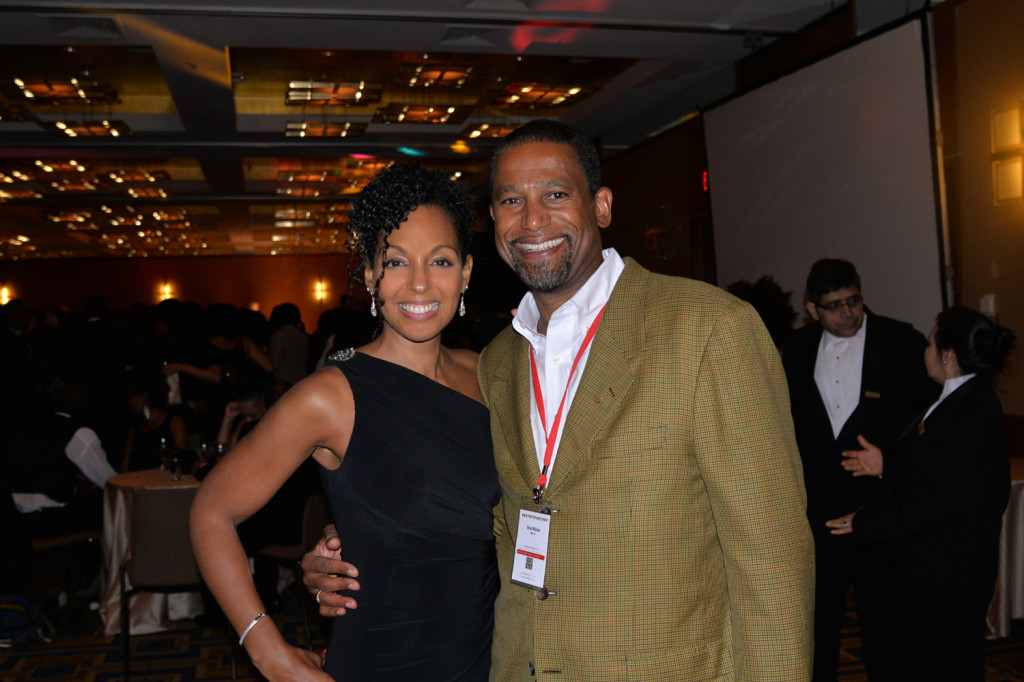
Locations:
(872, 368)
(945, 411)
(870, 375)
(948, 406)
(814, 399)
(513, 391)
(607, 375)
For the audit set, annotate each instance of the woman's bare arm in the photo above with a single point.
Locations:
(313, 419)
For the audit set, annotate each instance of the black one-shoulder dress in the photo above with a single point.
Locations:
(413, 503)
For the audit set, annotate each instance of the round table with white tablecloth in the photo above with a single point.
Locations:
(1008, 600)
(150, 611)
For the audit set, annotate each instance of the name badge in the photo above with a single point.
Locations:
(531, 555)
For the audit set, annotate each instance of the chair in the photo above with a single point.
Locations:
(81, 537)
(315, 515)
(160, 556)
(66, 545)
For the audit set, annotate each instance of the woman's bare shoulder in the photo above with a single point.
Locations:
(323, 397)
(326, 384)
(318, 412)
(464, 358)
(463, 379)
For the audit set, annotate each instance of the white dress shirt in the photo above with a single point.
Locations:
(85, 451)
(837, 372)
(556, 351)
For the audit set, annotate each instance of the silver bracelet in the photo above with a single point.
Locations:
(250, 626)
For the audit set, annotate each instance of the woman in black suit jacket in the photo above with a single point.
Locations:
(937, 530)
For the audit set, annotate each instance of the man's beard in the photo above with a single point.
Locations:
(546, 276)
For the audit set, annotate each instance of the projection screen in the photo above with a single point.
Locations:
(834, 160)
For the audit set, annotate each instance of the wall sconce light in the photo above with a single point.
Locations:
(1008, 180)
(1008, 155)
(165, 292)
(5, 295)
(320, 290)
(1006, 130)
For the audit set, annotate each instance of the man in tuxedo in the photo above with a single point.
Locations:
(56, 466)
(851, 374)
(642, 422)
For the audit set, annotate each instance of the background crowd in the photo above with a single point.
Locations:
(86, 394)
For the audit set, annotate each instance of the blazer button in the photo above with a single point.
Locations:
(532, 671)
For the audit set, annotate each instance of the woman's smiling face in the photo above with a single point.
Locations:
(423, 274)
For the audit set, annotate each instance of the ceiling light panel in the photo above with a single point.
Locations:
(332, 93)
(421, 114)
(74, 90)
(100, 128)
(489, 130)
(521, 95)
(437, 75)
(324, 129)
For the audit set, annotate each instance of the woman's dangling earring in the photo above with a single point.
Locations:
(462, 303)
(373, 302)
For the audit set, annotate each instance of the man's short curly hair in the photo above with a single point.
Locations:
(550, 130)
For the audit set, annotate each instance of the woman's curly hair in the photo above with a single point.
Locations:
(387, 200)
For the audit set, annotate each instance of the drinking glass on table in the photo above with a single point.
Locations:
(174, 465)
(164, 450)
(204, 451)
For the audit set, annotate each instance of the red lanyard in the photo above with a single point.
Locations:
(538, 395)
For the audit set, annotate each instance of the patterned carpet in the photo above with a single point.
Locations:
(187, 653)
(1004, 658)
(190, 652)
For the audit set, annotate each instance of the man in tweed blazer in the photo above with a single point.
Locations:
(679, 549)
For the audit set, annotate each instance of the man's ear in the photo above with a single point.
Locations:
(812, 310)
(603, 206)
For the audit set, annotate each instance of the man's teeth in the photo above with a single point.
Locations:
(419, 308)
(543, 246)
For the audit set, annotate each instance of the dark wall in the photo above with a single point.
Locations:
(239, 280)
(660, 211)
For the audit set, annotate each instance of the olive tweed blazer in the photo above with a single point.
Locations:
(680, 549)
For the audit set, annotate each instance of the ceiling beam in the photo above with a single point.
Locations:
(489, 17)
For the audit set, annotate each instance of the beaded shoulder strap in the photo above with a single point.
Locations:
(343, 355)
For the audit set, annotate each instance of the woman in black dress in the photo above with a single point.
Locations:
(156, 430)
(399, 429)
(936, 535)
